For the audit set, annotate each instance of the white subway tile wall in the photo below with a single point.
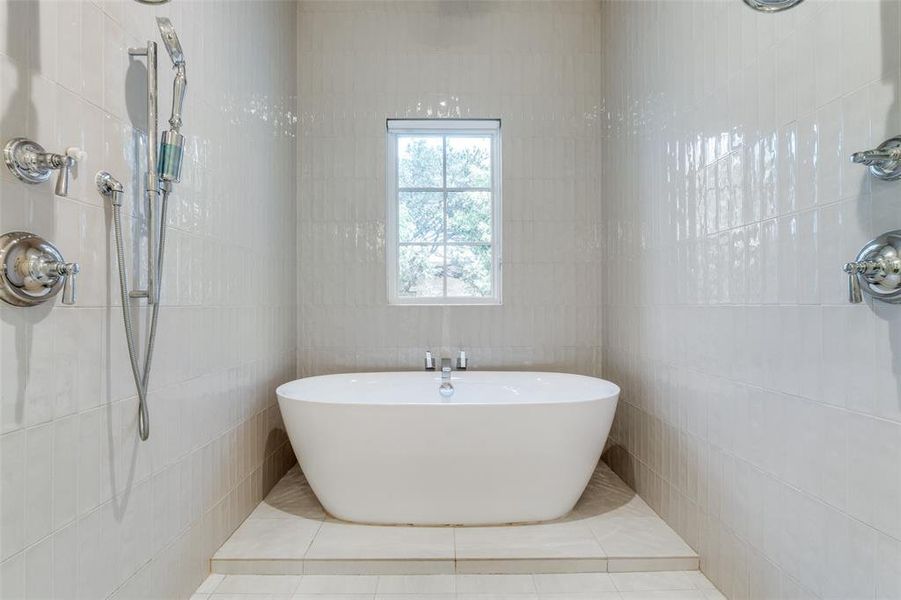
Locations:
(86, 510)
(536, 66)
(761, 413)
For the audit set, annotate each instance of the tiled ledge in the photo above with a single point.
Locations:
(611, 529)
(684, 585)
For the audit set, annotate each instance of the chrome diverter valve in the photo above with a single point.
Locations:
(33, 271)
(877, 270)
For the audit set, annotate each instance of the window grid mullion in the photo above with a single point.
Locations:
(450, 243)
(445, 191)
(396, 219)
(444, 208)
(442, 189)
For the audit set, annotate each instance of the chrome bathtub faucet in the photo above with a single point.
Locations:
(446, 389)
(462, 363)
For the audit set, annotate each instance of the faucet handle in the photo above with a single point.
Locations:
(877, 156)
(70, 272)
(65, 163)
(429, 361)
(854, 294)
(32, 164)
(462, 361)
(884, 162)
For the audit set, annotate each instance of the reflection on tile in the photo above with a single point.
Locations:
(737, 412)
(129, 519)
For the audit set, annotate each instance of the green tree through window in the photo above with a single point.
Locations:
(444, 201)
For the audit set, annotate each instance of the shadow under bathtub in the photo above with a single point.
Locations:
(605, 493)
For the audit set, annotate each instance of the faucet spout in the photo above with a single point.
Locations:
(445, 368)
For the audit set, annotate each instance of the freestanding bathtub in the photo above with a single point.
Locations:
(507, 447)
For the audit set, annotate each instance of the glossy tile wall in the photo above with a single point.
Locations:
(761, 413)
(534, 65)
(86, 510)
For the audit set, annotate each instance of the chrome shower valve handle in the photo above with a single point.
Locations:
(877, 270)
(47, 273)
(884, 162)
(32, 164)
(854, 294)
(32, 270)
(70, 272)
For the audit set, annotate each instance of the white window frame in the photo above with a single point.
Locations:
(442, 128)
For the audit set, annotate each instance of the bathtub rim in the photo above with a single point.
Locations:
(612, 394)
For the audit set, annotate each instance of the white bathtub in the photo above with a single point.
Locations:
(507, 447)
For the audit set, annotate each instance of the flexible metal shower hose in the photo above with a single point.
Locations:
(141, 380)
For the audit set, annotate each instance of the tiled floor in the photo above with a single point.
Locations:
(610, 529)
(668, 585)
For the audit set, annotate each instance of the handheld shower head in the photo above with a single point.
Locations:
(170, 39)
(172, 142)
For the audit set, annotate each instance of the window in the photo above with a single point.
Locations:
(444, 212)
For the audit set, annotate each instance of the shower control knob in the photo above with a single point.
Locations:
(69, 271)
(884, 162)
(32, 270)
(66, 162)
(28, 161)
(854, 295)
(877, 270)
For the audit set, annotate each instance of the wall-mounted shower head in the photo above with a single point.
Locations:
(772, 5)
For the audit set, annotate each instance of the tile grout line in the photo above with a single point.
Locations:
(303, 559)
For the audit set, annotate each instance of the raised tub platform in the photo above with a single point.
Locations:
(610, 529)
